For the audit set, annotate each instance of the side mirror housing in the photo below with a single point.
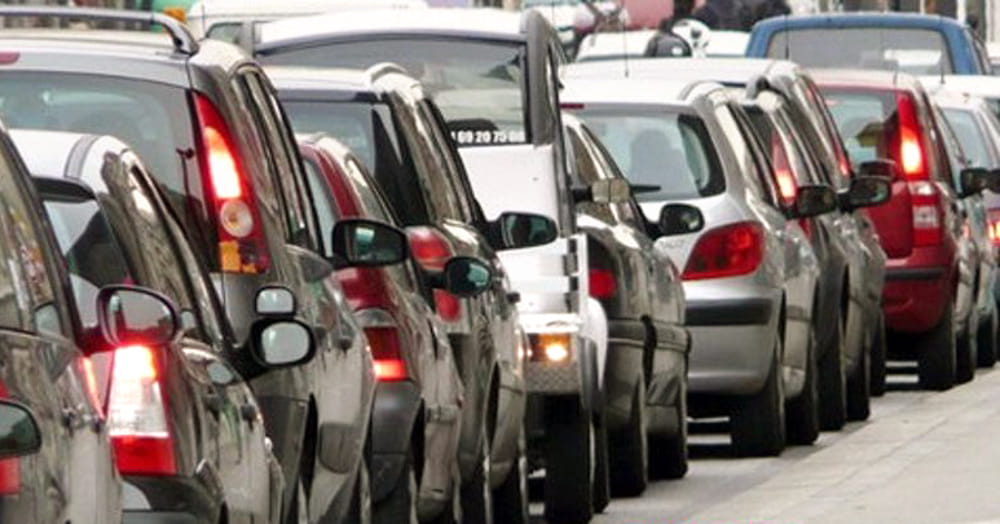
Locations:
(680, 219)
(20, 435)
(610, 191)
(973, 180)
(466, 277)
(880, 167)
(275, 301)
(282, 343)
(368, 243)
(520, 230)
(866, 191)
(813, 200)
(993, 181)
(131, 315)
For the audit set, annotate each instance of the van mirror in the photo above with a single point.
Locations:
(680, 219)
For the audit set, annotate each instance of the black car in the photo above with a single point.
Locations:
(240, 194)
(54, 437)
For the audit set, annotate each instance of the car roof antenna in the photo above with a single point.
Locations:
(788, 38)
(621, 29)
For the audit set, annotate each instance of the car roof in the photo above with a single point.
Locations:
(632, 91)
(730, 71)
(608, 45)
(249, 8)
(856, 19)
(486, 23)
(979, 85)
(51, 154)
(864, 78)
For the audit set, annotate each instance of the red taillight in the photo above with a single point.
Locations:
(9, 57)
(383, 339)
(736, 249)
(242, 246)
(429, 248)
(927, 214)
(447, 306)
(137, 414)
(783, 172)
(912, 158)
(807, 228)
(602, 283)
(994, 224)
(10, 468)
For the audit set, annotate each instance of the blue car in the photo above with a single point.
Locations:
(908, 42)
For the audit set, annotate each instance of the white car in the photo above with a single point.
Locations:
(982, 86)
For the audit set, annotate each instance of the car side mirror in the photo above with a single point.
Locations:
(275, 301)
(680, 219)
(19, 432)
(368, 243)
(866, 191)
(880, 167)
(813, 200)
(129, 315)
(610, 191)
(973, 180)
(520, 230)
(466, 277)
(283, 343)
(993, 181)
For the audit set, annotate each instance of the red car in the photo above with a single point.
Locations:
(929, 274)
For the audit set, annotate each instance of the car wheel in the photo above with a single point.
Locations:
(965, 353)
(400, 506)
(758, 422)
(629, 449)
(568, 462)
(802, 413)
(602, 459)
(936, 355)
(832, 387)
(986, 343)
(510, 500)
(878, 358)
(859, 399)
(668, 454)
(477, 497)
(361, 501)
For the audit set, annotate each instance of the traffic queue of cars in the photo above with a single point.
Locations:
(384, 265)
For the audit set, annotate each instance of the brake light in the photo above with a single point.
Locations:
(429, 248)
(994, 223)
(137, 414)
(807, 228)
(241, 243)
(783, 172)
(911, 153)
(383, 339)
(735, 249)
(9, 57)
(10, 468)
(927, 213)
(602, 283)
(447, 306)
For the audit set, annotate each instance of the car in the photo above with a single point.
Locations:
(888, 116)
(613, 45)
(499, 116)
(737, 281)
(985, 87)
(633, 281)
(239, 191)
(847, 265)
(54, 434)
(398, 135)
(170, 395)
(419, 397)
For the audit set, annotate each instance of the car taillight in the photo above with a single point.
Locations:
(994, 223)
(241, 243)
(602, 283)
(912, 158)
(137, 414)
(431, 250)
(10, 468)
(927, 219)
(383, 339)
(783, 172)
(735, 249)
(807, 228)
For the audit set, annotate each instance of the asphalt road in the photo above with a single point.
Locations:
(923, 457)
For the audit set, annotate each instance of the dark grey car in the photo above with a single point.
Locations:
(240, 193)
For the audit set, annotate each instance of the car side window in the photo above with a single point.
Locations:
(628, 212)
(443, 154)
(461, 178)
(742, 153)
(426, 152)
(326, 208)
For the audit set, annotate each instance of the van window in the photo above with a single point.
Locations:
(910, 50)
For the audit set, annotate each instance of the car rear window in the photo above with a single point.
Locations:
(671, 150)
(866, 120)
(970, 135)
(915, 51)
(477, 85)
(369, 130)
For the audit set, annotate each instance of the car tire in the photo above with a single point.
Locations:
(510, 499)
(360, 511)
(668, 455)
(986, 343)
(629, 449)
(400, 506)
(936, 358)
(859, 398)
(879, 355)
(832, 383)
(568, 462)
(476, 495)
(802, 412)
(602, 459)
(966, 353)
(758, 422)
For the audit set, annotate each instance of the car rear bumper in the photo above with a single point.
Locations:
(168, 500)
(915, 298)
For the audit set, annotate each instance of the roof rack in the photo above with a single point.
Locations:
(183, 40)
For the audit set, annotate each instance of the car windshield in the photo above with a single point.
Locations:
(669, 150)
(369, 131)
(915, 51)
(477, 85)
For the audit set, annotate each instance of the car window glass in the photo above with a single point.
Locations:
(916, 51)
(23, 270)
(626, 212)
(226, 32)
(970, 135)
(323, 200)
(450, 170)
(741, 152)
(418, 131)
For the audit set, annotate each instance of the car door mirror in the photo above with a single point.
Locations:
(866, 191)
(466, 277)
(680, 219)
(19, 432)
(973, 181)
(813, 200)
(520, 230)
(611, 191)
(993, 181)
(282, 343)
(131, 315)
(880, 167)
(275, 301)
(368, 243)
